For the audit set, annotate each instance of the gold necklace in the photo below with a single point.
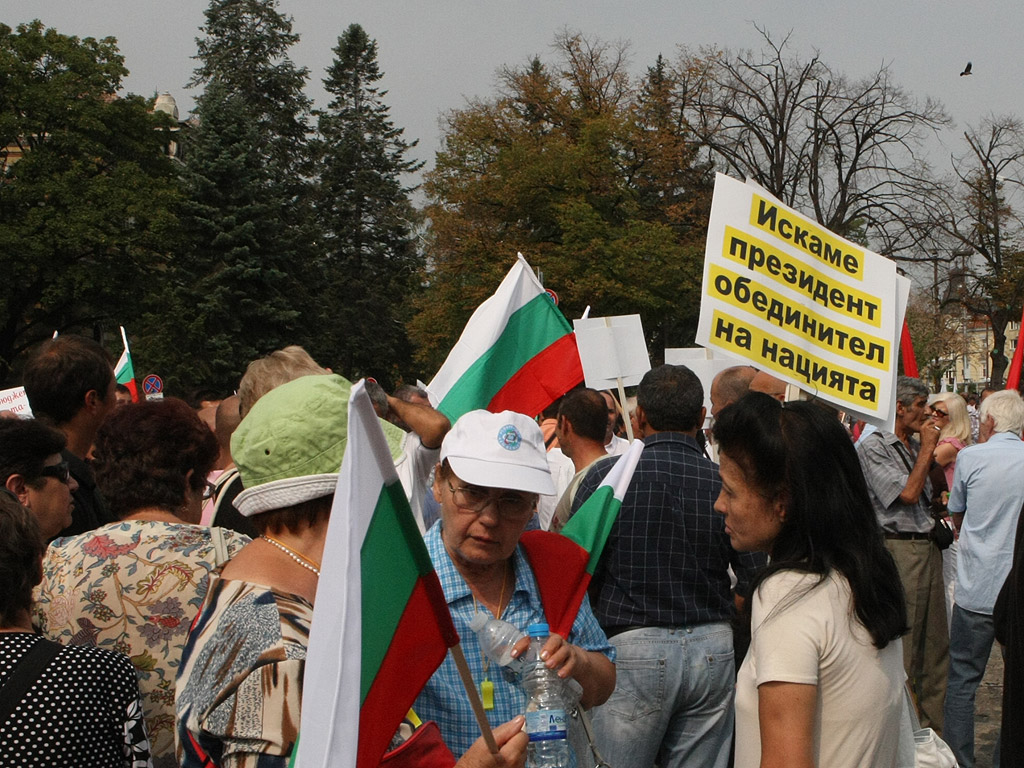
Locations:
(298, 557)
(486, 686)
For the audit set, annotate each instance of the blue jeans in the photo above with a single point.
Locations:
(673, 699)
(970, 643)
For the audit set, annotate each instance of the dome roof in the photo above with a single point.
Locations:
(166, 103)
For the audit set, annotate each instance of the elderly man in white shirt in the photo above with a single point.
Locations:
(985, 501)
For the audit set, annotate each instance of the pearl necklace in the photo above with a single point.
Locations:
(298, 557)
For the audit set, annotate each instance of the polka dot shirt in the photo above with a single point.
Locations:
(83, 711)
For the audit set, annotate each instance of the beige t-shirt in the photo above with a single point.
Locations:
(815, 638)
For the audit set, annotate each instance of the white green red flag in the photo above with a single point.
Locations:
(571, 558)
(517, 352)
(124, 371)
(381, 624)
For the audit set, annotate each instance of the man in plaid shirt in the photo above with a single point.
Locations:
(662, 591)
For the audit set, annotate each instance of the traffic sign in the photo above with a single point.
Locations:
(152, 384)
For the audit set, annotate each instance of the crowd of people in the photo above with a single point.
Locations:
(778, 605)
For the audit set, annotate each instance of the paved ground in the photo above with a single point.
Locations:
(987, 708)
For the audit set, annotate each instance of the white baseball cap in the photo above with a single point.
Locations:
(498, 450)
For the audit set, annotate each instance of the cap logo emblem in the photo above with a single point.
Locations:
(509, 438)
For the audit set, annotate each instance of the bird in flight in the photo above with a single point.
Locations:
(967, 70)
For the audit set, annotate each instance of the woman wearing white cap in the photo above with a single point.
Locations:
(493, 466)
(239, 691)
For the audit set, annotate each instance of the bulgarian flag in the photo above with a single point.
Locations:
(381, 624)
(124, 371)
(564, 563)
(517, 352)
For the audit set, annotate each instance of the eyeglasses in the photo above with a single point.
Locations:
(937, 412)
(60, 471)
(478, 499)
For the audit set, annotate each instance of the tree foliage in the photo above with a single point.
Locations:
(87, 195)
(847, 151)
(369, 262)
(244, 274)
(245, 49)
(231, 294)
(937, 335)
(982, 232)
(592, 176)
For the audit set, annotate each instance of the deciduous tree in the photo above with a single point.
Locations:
(589, 175)
(983, 231)
(87, 195)
(847, 151)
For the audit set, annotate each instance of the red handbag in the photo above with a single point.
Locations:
(424, 749)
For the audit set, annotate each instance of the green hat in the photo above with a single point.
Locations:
(289, 447)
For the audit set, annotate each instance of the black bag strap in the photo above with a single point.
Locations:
(28, 669)
(901, 449)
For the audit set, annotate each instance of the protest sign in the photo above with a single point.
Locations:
(613, 352)
(790, 297)
(612, 348)
(16, 401)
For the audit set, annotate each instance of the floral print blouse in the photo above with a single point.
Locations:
(134, 587)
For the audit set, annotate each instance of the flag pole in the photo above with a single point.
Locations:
(474, 697)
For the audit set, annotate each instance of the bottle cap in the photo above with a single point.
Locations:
(539, 630)
(478, 622)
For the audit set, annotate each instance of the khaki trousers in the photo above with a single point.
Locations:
(926, 645)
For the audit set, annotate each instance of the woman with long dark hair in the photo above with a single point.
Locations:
(822, 684)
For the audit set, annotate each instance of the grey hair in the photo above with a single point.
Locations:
(908, 389)
(272, 371)
(1007, 411)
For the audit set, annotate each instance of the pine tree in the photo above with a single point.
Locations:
(233, 297)
(240, 283)
(366, 222)
(246, 50)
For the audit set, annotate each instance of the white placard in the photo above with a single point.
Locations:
(612, 348)
(16, 401)
(705, 363)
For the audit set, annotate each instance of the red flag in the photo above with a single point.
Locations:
(907, 348)
(564, 563)
(1013, 380)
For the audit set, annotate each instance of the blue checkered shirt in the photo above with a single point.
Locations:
(444, 699)
(666, 561)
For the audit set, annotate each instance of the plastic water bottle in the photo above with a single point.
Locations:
(547, 722)
(497, 638)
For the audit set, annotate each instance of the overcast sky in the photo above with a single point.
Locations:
(436, 54)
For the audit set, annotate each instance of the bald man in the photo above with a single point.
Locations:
(730, 385)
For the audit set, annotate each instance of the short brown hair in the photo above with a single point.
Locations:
(62, 372)
(295, 518)
(144, 452)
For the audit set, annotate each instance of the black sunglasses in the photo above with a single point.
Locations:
(59, 471)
